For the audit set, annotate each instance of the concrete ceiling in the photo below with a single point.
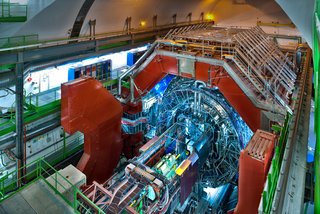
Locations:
(56, 17)
(301, 14)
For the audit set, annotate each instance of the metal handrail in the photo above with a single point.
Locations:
(6, 42)
(63, 41)
(31, 95)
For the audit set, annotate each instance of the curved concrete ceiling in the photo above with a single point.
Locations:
(34, 7)
(301, 14)
(56, 20)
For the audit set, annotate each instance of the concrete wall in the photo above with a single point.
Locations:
(34, 7)
(56, 20)
(301, 13)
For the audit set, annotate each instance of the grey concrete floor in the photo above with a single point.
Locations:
(36, 198)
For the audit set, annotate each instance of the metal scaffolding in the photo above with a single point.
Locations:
(252, 55)
(269, 69)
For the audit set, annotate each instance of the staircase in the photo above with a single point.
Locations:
(267, 68)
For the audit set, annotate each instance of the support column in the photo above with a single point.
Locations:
(92, 24)
(19, 118)
(131, 89)
(154, 21)
(128, 24)
(189, 16)
(174, 19)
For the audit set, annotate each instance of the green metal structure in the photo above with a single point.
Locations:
(34, 110)
(13, 12)
(273, 175)
(13, 41)
(316, 62)
(7, 67)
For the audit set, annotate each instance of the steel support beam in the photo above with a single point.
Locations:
(45, 52)
(19, 118)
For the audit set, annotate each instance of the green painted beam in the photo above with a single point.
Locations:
(13, 19)
(7, 67)
(273, 175)
(147, 39)
(33, 115)
(113, 45)
(110, 83)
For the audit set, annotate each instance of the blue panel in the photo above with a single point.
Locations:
(310, 157)
(171, 148)
(161, 86)
(71, 72)
(130, 59)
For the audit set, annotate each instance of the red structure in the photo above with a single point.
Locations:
(255, 161)
(233, 93)
(86, 106)
(217, 76)
(132, 142)
(153, 73)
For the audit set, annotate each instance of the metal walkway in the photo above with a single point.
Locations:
(35, 198)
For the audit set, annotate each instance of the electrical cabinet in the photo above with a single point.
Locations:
(133, 57)
(100, 71)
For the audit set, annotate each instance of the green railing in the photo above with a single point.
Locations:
(13, 41)
(43, 98)
(316, 62)
(273, 175)
(38, 105)
(13, 12)
(41, 170)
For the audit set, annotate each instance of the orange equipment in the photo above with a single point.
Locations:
(86, 106)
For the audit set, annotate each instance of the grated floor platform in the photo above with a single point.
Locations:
(36, 198)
